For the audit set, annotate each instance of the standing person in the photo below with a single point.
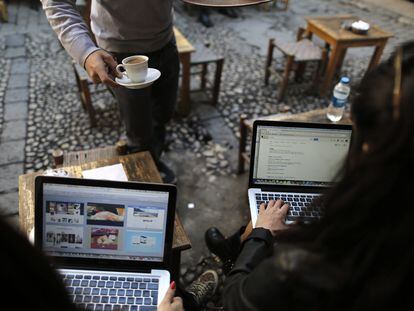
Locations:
(123, 28)
(360, 255)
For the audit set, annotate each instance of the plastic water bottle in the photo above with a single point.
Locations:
(339, 99)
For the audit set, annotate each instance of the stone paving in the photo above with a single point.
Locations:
(40, 109)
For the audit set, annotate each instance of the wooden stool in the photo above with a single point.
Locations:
(202, 57)
(3, 12)
(299, 52)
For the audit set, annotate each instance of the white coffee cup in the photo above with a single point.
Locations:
(135, 67)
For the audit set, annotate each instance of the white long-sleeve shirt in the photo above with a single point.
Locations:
(136, 26)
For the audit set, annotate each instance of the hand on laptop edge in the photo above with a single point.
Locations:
(171, 303)
(273, 216)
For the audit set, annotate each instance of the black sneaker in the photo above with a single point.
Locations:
(205, 20)
(227, 249)
(204, 287)
(167, 175)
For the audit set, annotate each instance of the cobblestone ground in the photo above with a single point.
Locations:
(40, 109)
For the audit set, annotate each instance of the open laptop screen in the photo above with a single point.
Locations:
(104, 223)
(298, 156)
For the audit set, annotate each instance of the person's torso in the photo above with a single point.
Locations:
(130, 25)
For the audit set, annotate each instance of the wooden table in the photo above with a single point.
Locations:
(185, 49)
(137, 166)
(246, 128)
(329, 29)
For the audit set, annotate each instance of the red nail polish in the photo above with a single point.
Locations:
(172, 285)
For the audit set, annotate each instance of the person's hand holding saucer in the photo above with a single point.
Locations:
(134, 72)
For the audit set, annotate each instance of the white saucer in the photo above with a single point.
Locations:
(152, 75)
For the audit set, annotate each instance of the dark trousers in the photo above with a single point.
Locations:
(145, 112)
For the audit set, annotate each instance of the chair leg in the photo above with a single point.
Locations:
(204, 71)
(217, 81)
(269, 60)
(288, 68)
(87, 102)
(242, 143)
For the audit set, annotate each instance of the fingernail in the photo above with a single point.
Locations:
(172, 285)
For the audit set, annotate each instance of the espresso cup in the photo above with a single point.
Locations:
(135, 67)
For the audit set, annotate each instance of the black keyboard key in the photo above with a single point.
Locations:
(113, 278)
(96, 299)
(126, 285)
(134, 285)
(104, 299)
(69, 276)
(101, 284)
(155, 300)
(95, 291)
(146, 293)
(85, 283)
(76, 283)
(125, 308)
(90, 307)
(78, 290)
(67, 282)
(87, 291)
(134, 308)
(138, 279)
(121, 278)
(95, 277)
(109, 284)
(113, 300)
(155, 281)
(147, 301)
(99, 307)
(143, 286)
(118, 284)
(81, 306)
(148, 308)
(87, 298)
(79, 277)
(139, 301)
(104, 278)
(121, 292)
(154, 293)
(130, 279)
(108, 308)
(112, 292)
(116, 308)
(70, 290)
(104, 291)
(87, 277)
(121, 300)
(152, 286)
(130, 292)
(93, 283)
(137, 293)
(130, 300)
(78, 298)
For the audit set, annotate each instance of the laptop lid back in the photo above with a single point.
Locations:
(105, 225)
(296, 155)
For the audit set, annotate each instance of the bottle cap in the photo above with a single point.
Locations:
(345, 80)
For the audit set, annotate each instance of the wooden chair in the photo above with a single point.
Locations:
(3, 12)
(299, 52)
(202, 57)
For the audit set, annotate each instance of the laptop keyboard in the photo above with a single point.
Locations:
(299, 203)
(112, 293)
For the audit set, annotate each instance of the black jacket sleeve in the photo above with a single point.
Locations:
(290, 279)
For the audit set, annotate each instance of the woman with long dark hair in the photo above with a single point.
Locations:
(360, 255)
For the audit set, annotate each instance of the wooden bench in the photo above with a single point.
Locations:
(204, 56)
(246, 127)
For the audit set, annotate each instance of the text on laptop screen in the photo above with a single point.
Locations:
(104, 223)
(299, 156)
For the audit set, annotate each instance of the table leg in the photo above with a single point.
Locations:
(242, 143)
(175, 265)
(334, 58)
(184, 104)
(377, 56)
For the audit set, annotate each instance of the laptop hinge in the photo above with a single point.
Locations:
(106, 269)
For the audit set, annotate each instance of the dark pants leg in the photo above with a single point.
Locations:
(145, 112)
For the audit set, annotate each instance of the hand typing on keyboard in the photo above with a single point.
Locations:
(273, 216)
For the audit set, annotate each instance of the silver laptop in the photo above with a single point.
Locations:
(295, 162)
(110, 241)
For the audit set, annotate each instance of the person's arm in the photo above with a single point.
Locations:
(75, 37)
(70, 28)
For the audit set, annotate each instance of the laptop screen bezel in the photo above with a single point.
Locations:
(106, 264)
(275, 123)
